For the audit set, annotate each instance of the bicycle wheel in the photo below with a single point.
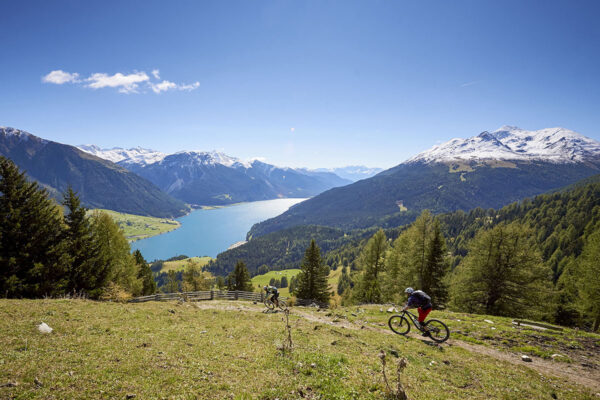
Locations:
(438, 330)
(269, 304)
(399, 324)
(282, 305)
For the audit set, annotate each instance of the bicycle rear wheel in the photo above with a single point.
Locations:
(438, 330)
(399, 324)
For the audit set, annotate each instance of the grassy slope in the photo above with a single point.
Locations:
(262, 280)
(216, 350)
(138, 227)
(180, 264)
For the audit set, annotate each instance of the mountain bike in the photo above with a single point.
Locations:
(400, 324)
(271, 305)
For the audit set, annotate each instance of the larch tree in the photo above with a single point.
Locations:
(372, 263)
(502, 274)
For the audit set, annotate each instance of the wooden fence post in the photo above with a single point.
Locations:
(211, 295)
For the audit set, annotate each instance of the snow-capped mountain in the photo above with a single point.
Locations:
(8, 132)
(211, 178)
(556, 145)
(135, 155)
(488, 171)
(99, 183)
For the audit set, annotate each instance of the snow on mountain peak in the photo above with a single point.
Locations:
(136, 155)
(558, 145)
(8, 131)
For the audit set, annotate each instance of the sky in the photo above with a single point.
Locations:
(297, 83)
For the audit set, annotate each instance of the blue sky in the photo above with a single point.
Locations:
(300, 83)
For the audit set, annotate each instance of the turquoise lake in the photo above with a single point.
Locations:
(210, 232)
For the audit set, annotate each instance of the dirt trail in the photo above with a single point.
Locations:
(571, 372)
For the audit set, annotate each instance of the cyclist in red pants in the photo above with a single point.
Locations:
(420, 299)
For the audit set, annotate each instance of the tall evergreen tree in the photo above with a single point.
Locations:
(84, 276)
(172, 285)
(418, 259)
(33, 258)
(240, 278)
(312, 280)
(145, 274)
(503, 273)
(371, 262)
(284, 282)
(589, 282)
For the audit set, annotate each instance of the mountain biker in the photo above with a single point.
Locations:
(273, 294)
(420, 299)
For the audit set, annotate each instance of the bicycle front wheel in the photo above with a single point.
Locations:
(269, 304)
(399, 324)
(282, 305)
(438, 330)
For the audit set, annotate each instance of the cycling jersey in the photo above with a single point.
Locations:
(419, 298)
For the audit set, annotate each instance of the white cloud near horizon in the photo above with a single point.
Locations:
(124, 83)
(59, 77)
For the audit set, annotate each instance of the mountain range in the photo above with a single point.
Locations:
(488, 170)
(213, 178)
(99, 183)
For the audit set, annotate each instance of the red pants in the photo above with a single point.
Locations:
(423, 313)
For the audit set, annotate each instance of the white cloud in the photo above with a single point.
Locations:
(189, 87)
(59, 77)
(162, 86)
(292, 130)
(125, 83)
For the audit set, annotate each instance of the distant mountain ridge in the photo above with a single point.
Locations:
(214, 178)
(488, 171)
(353, 172)
(99, 183)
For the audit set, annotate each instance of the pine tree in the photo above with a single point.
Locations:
(344, 282)
(312, 280)
(220, 282)
(502, 274)
(240, 278)
(293, 285)
(589, 282)
(33, 258)
(145, 274)
(372, 264)
(284, 282)
(418, 259)
(436, 267)
(83, 250)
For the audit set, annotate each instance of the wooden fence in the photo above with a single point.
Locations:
(204, 295)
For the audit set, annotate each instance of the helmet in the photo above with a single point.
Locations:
(409, 290)
(264, 288)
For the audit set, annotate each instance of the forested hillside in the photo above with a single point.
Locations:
(99, 183)
(396, 196)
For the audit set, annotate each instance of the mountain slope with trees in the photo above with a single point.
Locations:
(99, 183)
(488, 171)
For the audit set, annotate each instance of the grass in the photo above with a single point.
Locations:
(261, 280)
(569, 344)
(186, 350)
(180, 264)
(138, 227)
